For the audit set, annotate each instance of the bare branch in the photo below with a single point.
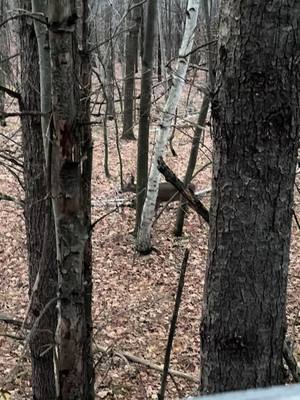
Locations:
(10, 92)
(187, 193)
(149, 364)
(24, 13)
(21, 114)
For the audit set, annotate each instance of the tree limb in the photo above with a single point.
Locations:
(21, 114)
(10, 92)
(149, 364)
(187, 193)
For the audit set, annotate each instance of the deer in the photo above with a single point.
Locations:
(166, 192)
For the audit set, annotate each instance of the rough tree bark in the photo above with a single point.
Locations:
(256, 128)
(69, 193)
(41, 31)
(133, 22)
(38, 220)
(109, 62)
(84, 74)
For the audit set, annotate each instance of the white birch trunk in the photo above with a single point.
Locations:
(143, 244)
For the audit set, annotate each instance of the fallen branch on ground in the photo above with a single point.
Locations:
(288, 355)
(122, 354)
(149, 364)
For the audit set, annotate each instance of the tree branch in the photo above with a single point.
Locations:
(21, 114)
(187, 193)
(146, 363)
(10, 92)
(24, 14)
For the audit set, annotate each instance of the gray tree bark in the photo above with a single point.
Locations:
(85, 72)
(40, 6)
(131, 47)
(256, 128)
(39, 223)
(109, 63)
(162, 45)
(145, 108)
(69, 191)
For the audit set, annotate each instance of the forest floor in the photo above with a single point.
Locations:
(133, 296)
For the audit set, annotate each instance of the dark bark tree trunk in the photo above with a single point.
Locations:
(109, 63)
(38, 220)
(87, 148)
(142, 33)
(256, 125)
(168, 40)
(159, 77)
(145, 108)
(131, 48)
(71, 152)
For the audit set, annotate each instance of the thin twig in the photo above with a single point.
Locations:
(296, 219)
(101, 218)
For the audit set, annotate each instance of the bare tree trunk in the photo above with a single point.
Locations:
(87, 149)
(145, 108)
(162, 46)
(38, 221)
(144, 241)
(109, 64)
(256, 131)
(133, 22)
(142, 33)
(169, 29)
(40, 6)
(69, 192)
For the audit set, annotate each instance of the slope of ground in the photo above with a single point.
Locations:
(133, 296)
